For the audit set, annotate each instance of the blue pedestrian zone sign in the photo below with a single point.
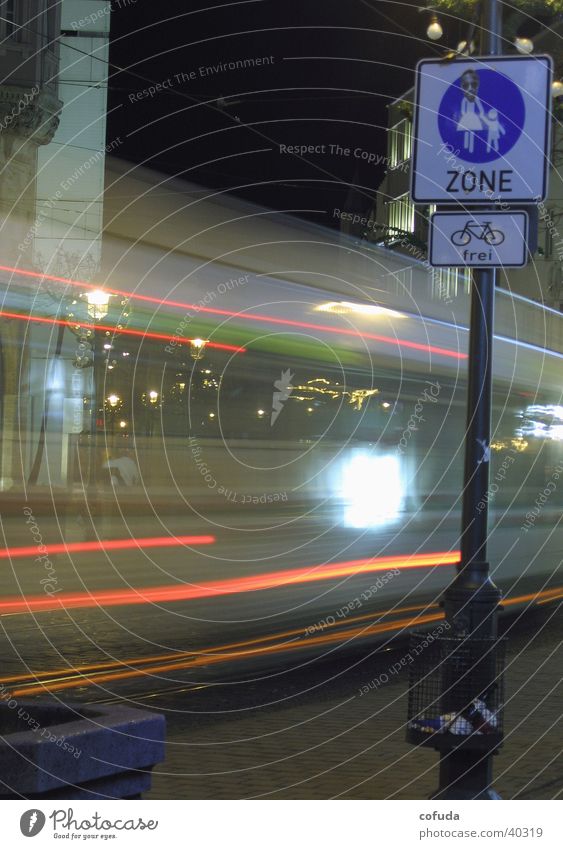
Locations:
(482, 130)
(482, 114)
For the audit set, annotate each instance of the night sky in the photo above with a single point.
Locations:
(328, 70)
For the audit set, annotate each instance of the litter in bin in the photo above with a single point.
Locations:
(474, 719)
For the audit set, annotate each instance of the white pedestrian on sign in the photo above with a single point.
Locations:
(495, 129)
(472, 112)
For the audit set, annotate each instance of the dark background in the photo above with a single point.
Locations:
(337, 64)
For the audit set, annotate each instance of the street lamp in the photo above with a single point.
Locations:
(466, 49)
(434, 31)
(197, 347)
(524, 45)
(114, 401)
(98, 303)
(152, 397)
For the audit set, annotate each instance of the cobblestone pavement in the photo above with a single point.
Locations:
(333, 742)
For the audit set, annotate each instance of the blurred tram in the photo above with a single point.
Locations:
(297, 393)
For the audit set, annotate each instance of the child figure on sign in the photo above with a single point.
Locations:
(495, 129)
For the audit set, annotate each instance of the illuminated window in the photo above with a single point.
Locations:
(401, 215)
(400, 143)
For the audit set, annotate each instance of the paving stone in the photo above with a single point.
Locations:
(352, 746)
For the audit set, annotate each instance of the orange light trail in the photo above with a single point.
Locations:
(145, 334)
(181, 655)
(231, 655)
(107, 545)
(247, 583)
(553, 598)
(302, 325)
(248, 649)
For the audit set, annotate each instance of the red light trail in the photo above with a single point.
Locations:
(120, 331)
(302, 325)
(246, 583)
(107, 545)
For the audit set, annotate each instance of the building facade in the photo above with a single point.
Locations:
(67, 239)
(53, 96)
(29, 113)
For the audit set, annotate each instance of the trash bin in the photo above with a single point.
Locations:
(456, 693)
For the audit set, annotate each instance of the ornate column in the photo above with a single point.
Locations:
(28, 118)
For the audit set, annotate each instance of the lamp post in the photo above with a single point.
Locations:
(98, 307)
(113, 401)
(152, 397)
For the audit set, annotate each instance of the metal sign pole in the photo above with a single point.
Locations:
(456, 692)
(471, 601)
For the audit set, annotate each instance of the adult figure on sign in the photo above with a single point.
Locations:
(472, 118)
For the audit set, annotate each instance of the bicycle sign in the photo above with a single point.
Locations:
(481, 232)
(479, 240)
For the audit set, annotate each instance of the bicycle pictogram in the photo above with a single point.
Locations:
(482, 232)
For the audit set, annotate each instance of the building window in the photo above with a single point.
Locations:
(401, 215)
(400, 143)
(448, 283)
(8, 11)
(51, 25)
